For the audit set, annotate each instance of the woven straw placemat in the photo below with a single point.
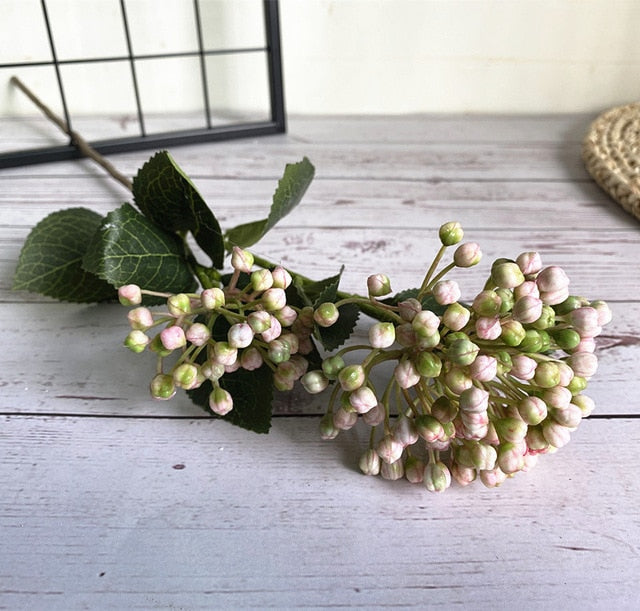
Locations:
(611, 154)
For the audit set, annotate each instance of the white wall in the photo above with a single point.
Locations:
(346, 56)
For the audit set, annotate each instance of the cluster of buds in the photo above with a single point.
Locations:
(479, 389)
(259, 328)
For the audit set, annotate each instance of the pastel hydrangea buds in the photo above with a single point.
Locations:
(462, 352)
(198, 334)
(484, 368)
(130, 294)
(162, 387)
(328, 430)
(446, 292)
(529, 263)
(140, 318)
(427, 364)
(240, 335)
(474, 399)
(331, 366)
(378, 285)
(220, 401)
(389, 449)
(437, 477)
(450, 233)
(186, 375)
(274, 299)
(224, 353)
(512, 332)
(425, 323)
(173, 337)
(414, 470)
(261, 280)
(281, 277)
(351, 377)
(405, 374)
(584, 364)
(552, 278)
(467, 255)
(241, 260)
(456, 317)
(370, 462)
(137, 341)
(212, 299)
(507, 275)
(179, 304)
(382, 335)
(527, 309)
(487, 303)
(326, 314)
(532, 410)
(409, 308)
(314, 382)
(273, 331)
(251, 359)
(363, 399)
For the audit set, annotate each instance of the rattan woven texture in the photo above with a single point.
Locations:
(611, 153)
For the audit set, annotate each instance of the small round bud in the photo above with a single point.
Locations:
(474, 400)
(570, 416)
(162, 387)
(179, 304)
(198, 334)
(463, 475)
(529, 287)
(392, 471)
(414, 470)
(443, 409)
(456, 317)
(488, 327)
(457, 380)
(558, 397)
(240, 335)
(552, 279)
(585, 321)
(567, 339)
(389, 449)
(512, 430)
(523, 367)
(487, 303)
(224, 353)
(274, 299)
(375, 416)
(409, 308)
(584, 364)
(507, 300)
(273, 331)
(363, 399)
(351, 377)
(462, 352)
(186, 375)
(512, 332)
(547, 318)
(429, 428)
(220, 401)
(585, 404)
(529, 263)
(484, 368)
(450, 233)
(492, 478)
(604, 312)
(281, 278)
(507, 275)
(446, 292)
(130, 294)
(467, 255)
(532, 342)
(343, 419)
(425, 323)
(261, 280)
(527, 309)
(278, 351)
(259, 321)
(554, 297)
(556, 434)
(370, 462)
(173, 337)
(328, 430)
(241, 260)
(382, 335)
(547, 374)
(437, 477)
(251, 359)
(326, 314)
(212, 371)
(405, 431)
(314, 382)
(212, 299)
(331, 366)
(137, 341)
(510, 458)
(532, 410)
(140, 318)
(286, 316)
(405, 374)
(427, 364)
(378, 285)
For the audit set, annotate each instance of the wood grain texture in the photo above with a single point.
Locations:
(112, 500)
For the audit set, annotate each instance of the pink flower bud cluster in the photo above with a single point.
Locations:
(480, 389)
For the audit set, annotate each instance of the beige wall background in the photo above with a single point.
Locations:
(343, 56)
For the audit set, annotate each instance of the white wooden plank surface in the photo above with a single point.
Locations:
(96, 510)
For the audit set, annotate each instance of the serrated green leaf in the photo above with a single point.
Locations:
(50, 262)
(129, 249)
(252, 393)
(291, 188)
(166, 195)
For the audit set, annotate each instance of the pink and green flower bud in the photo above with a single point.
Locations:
(428, 342)
(484, 368)
(604, 312)
(507, 275)
(382, 335)
(527, 309)
(504, 362)
(456, 317)
(446, 292)
(389, 449)
(351, 377)
(301, 364)
(409, 308)
(212, 299)
(405, 431)
(405, 374)
(328, 430)
(261, 280)
(523, 367)
(281, 277)
(556, 434)
(474, 400)
(344, 419)
(273, 332)
(567, 339)
(130, 294)
(363, 399)
(437, 477)
(331, 366)
(414, 470)
(286, 316)
(392, 471)
(224, 353)
(173, 337)
(157, 347)
(291, 339)
(547, 319)
(326, 314)
(278, 351)
(467, 255)
(240, 335)
(532, 341)
(585, 404)
(487, 303)
(570, 416)
(429, 428)
(572, 302)
(463, 475)
(506, 301)
(241, 260)
(425, 323)
(512, 430)
(450, 233)
(187, 376)
(443, 409)
(577, 384)
(529, 263)
(370, 463)
(492, 478)
(488, 328)
(378, 285)
(282, 380)
(314, 382)
(162, 387)
(512, 332)
(198, 334)
(566, 374)
(585, 322)
(558, 397)
(427, 364)
(462, 352)
(584, 364)
(510, 458)
(457, 380)
(405, 335)
(532, 410)
(554, 297)
(482, 455)
(251, 359)
(527, 289)
(274, 299)
(179, 304)
(233, 367)
(536, 442)
(547, 374)
(137, 341)
(259, 321)
(552, 279)
(220, 401)
(375, 416)
(587, 344)
(140, 318)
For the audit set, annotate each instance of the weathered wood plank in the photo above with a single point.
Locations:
(129, 513)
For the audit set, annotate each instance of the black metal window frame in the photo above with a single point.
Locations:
(208, 133)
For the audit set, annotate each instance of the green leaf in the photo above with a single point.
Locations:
(129, 249)
(50, 262)
(291, 188)
(252, 393)
(166, 195)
